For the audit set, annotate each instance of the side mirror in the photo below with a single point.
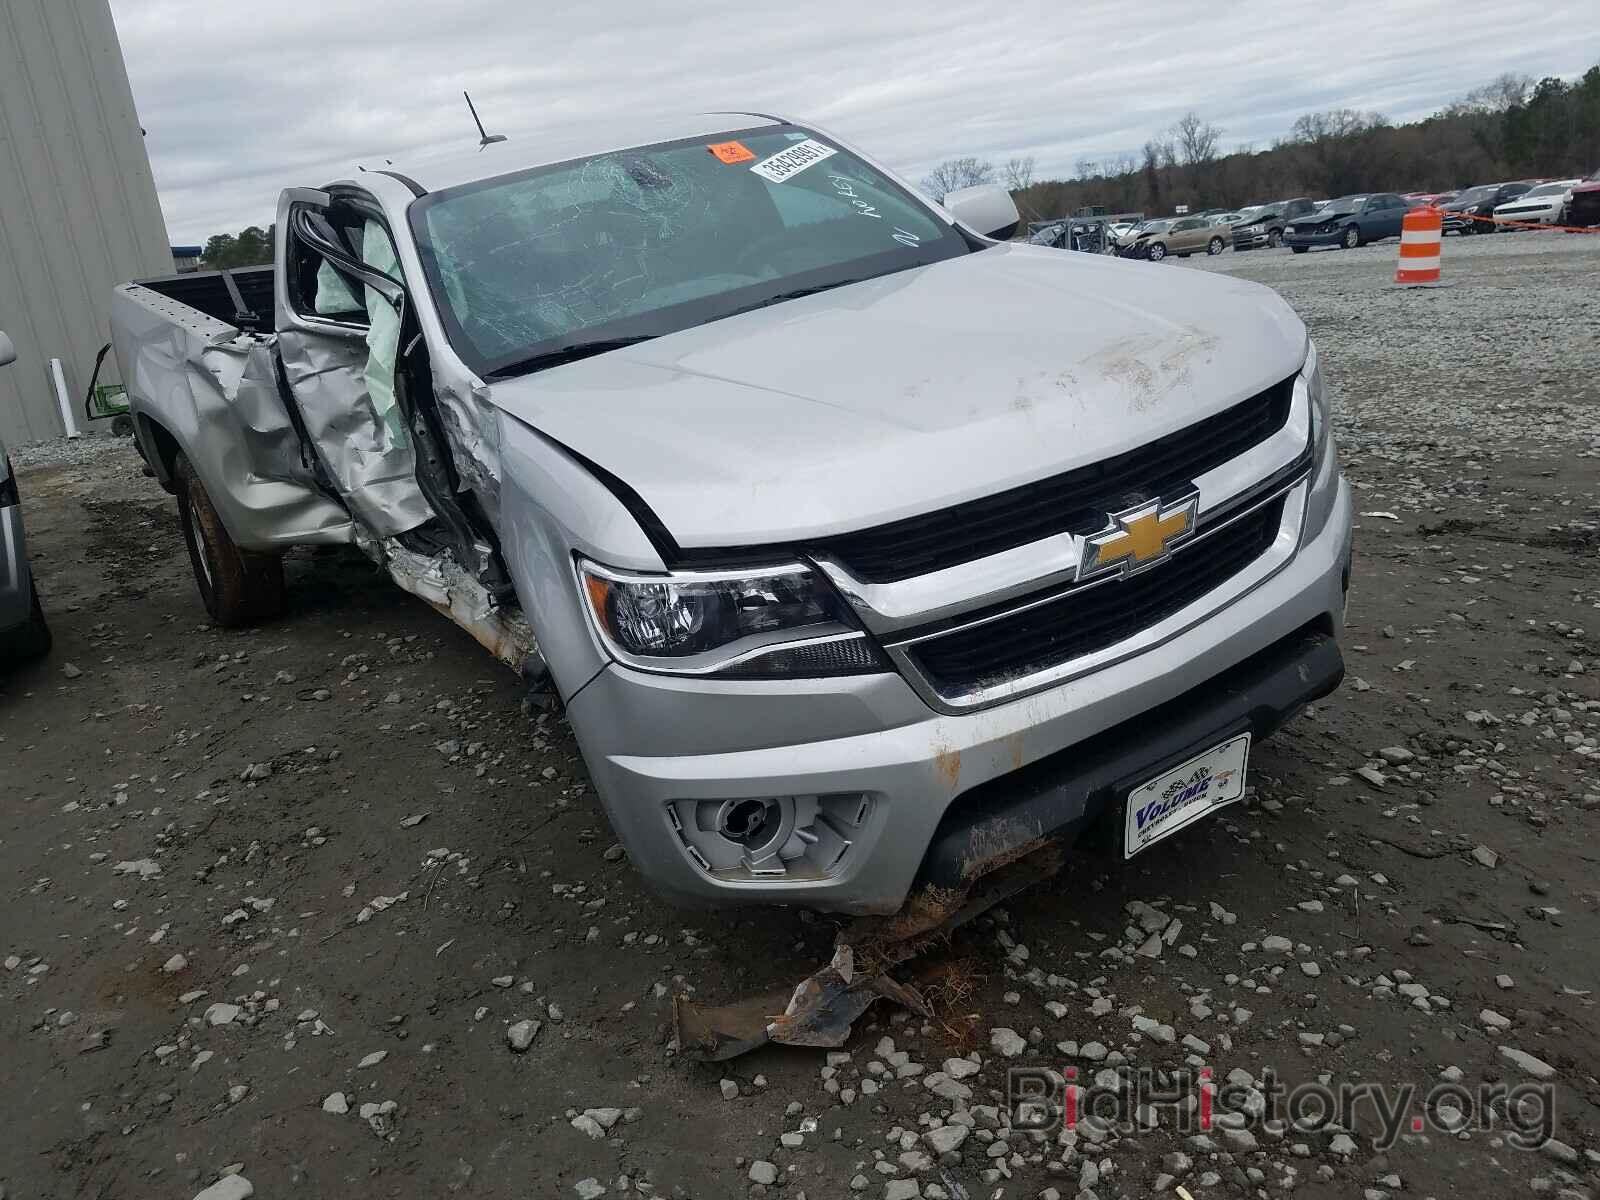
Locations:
(987, 208)
(8, 352)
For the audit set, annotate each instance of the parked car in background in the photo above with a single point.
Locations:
(1425, 199)
(1469, 212)
(1183, 236)
(1054, 234)
(1348, 222)
(23, 632)
(1267, 222)
(1545, 204)
(1584, 207)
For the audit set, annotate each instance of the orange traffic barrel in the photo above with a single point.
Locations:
(1421, 232)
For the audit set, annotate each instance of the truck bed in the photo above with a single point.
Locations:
(208, 292)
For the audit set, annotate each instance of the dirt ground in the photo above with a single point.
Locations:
(343, 854)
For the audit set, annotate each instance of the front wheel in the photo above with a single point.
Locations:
(1157, 252)
(1352, 237)
(1214, 246)
(1274, 238)
(237, 587)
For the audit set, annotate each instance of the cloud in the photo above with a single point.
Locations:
(242, 101)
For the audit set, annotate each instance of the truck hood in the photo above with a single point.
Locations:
(908, 393)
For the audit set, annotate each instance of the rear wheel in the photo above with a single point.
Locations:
(31, 639)
(1157, 251)
(1352, 237)
(237, 587)
(1214, 246)
(1299, 249)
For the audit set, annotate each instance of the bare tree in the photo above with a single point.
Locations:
(1337, 149)
(1152, 175)
(956, 173)
(1334, 124)
(1019, 173)
(1197, 140)
(1505, 91)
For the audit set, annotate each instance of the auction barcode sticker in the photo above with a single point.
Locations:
(789, 162)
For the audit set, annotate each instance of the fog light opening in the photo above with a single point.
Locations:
(746, 821)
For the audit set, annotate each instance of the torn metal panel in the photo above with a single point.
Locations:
(215, 391)
(472, 427)
(450, 589)
(373, 472)
(822, 1008)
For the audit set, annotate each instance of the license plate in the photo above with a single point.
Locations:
(1186, 793)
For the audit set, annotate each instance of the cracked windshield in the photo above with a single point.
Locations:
(533, 268)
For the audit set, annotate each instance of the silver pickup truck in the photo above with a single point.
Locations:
(865, 551)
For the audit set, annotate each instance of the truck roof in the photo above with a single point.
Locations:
(435, 172)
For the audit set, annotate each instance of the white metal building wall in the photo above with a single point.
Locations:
(78, 209)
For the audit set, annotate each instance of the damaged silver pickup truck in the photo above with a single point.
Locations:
(866, 552)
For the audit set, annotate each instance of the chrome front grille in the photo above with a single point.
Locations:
(977, 657)
(1019, 619)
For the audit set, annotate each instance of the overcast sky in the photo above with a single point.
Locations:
(240, 100)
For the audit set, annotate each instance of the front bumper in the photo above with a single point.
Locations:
(1251, 240)
(1532, 216)
(16, 581)
(653, 740)
(1312, 240)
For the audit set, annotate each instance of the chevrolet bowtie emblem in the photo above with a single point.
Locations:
(1138, 537)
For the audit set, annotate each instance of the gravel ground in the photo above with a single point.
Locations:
(329, 906)
(90, 449)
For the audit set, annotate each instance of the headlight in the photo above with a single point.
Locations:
(1317, 393)
(779, 621)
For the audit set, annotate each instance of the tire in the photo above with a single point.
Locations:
(31, 639)
(1156, 252)
(1274, 238)
(237, 587)
(1299, 249)
(1214, 246)
(1351, 238)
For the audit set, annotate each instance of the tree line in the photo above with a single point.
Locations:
(1510, 128)
(250, 247)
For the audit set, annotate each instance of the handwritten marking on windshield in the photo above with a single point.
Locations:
(846, 189)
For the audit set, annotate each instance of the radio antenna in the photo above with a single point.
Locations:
(484, 139)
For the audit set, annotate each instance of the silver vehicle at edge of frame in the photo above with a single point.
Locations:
(865, 551)
(24, 633)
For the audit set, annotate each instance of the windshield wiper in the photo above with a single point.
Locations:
(571, 352)
(798, 293)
